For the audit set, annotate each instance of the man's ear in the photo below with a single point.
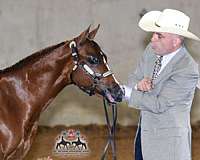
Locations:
(83, 36)
(177, 42)
(93, 33)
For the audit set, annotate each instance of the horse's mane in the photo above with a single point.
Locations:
(32, 57)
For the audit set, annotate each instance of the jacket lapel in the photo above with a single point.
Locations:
(168, 68)
(150, 65)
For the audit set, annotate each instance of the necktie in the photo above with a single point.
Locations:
(157, 67)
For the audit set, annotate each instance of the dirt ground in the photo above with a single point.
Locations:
(95, 136)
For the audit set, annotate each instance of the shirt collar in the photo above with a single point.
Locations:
(172, 54)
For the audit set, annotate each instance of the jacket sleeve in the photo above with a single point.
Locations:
(176, 91)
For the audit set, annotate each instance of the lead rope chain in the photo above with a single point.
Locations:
(111, 129)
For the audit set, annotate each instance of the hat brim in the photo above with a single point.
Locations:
(148, 23)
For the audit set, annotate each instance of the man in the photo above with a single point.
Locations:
(162, 88)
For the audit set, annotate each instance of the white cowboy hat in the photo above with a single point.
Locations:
(170, 21)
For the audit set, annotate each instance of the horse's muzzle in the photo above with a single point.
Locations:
(113, 94)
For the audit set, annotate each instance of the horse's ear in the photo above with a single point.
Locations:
(83, 36)
(93, 32)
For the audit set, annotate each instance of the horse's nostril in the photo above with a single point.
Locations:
(120, 95)
(117, 93)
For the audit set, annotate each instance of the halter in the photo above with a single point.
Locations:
(111, 125)
(96, 77)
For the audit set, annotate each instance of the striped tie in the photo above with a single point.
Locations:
(157, 67)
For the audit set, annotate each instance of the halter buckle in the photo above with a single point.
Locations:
(72, 44)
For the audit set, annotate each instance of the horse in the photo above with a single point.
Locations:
(29, 86)
(63, 143)
(78, 143)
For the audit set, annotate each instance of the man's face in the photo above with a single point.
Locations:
(163, 43)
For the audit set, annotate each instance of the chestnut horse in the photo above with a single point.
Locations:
(29, 86)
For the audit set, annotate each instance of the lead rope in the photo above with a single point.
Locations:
(111, 130)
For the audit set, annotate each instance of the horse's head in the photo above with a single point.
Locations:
(91, 72)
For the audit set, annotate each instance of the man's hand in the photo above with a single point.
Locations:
(144, 85)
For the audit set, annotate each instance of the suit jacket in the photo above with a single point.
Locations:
(165, 110)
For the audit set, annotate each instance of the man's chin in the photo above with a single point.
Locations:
(157, 52)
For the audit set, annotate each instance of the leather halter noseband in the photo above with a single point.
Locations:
(95, 76)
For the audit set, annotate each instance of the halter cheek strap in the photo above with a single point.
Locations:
(74, 54)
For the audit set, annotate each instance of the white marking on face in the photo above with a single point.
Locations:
(104, 60)
(115, 79)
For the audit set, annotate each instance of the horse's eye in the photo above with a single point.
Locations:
(93, 60)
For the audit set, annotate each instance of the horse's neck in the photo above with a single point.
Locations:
(56, 73)
(43, 79)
